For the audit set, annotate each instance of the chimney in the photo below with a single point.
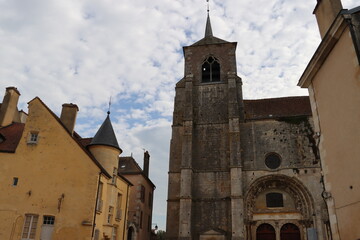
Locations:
(326, 12)
(68, 116)
(9, 106)
(146, 163)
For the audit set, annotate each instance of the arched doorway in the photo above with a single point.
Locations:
(290, 231)
(265, 232)
(130, 233)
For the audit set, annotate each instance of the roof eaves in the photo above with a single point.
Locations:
(76, 140)
(141, 173)
(327, 44)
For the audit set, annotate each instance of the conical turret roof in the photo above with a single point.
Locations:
(106, 135)
(208, 29)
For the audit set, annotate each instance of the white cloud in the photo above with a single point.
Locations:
(86, 51)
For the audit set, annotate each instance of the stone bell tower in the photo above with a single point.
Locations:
(205, 198)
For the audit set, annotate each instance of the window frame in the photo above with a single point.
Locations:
(272, 198)
(33, 137)
(50, 222)
(214, 76)
(30, 229)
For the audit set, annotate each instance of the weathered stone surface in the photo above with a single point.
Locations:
(218, 179)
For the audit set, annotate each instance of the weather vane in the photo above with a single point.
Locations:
(207, 5)
(109, 106)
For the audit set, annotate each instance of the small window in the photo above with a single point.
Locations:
(110, 214)
(150, 200)
(272, 160)
(2, 138)
(49, 220)
(274, 200)
(114, 233)
(210, 70)
(15, 181)
(97, 234)
(142, 193)
(141, 219)
(113, 180)
(33, 138)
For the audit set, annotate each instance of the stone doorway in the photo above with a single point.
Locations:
(265, 232)
(290, 232)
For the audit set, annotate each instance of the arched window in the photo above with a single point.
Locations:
(290, 231)
(265, 232)
(211, 70)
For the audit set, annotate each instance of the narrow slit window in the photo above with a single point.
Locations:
(15, 181)
(211, 70)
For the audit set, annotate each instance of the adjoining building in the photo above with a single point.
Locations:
(333, 80)
(141, 197)
(240, 169)
(55, 184)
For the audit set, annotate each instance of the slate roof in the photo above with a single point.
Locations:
(128, 166)
(84, 141)
(106, 135)
(277, 107)
(209, 38)
(11, 136)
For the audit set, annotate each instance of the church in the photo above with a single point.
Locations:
(240, 169)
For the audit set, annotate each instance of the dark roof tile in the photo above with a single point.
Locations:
(11, 137)
(277, 107)
(106, 135)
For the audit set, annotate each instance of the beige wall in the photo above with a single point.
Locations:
(109, 197)
(50, 181)
(58, 178)
(335, 97)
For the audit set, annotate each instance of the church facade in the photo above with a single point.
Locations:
(240, 169)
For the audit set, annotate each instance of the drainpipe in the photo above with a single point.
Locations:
(126, 207)
(96, 202)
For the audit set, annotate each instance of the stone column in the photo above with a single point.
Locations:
(186, 166)
(237, 201)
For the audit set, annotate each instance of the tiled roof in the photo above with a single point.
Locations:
(85, 141)
(128, 164)
(106, 135)
(11, 137)
(277, 107)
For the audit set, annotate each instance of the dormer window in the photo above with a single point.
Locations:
(211, 70)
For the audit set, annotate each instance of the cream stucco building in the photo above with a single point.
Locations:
(55, 184)
(333, 80)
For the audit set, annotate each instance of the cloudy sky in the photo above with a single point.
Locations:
(86, 51)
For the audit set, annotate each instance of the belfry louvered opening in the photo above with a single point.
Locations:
(211, 70)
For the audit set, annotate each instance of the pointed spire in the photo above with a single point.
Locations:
(106, 135)
(208, 30)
